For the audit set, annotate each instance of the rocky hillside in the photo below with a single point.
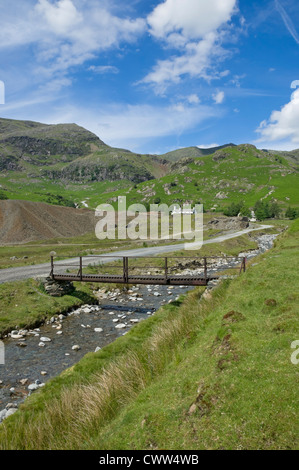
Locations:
(68, 165)
(70, 153)
(232, 174)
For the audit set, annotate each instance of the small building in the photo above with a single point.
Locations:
(184, 211)
(253, 217)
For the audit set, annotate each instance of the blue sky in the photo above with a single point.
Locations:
(152, 75)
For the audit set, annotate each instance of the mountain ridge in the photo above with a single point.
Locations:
(88, 172)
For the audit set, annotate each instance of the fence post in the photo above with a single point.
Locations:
(244, 261)
(166, 269)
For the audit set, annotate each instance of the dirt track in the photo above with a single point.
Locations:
(43, 270)
(24, 221)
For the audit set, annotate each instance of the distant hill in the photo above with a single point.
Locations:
(292, 156)
(192, 152)
(70, 153)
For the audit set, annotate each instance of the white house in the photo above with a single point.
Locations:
(184, 211)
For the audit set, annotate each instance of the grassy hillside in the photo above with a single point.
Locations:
(240, 173)
(192, 152)
(214, 374)
(66, 164)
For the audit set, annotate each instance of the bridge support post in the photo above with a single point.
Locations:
(81, 269)
(166, 270)
(243, 265)
(126, 270)
(52, 267)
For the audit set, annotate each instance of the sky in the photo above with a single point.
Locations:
(153, 76)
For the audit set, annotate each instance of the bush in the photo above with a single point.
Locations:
(3, 196)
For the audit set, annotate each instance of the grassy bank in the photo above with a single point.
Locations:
(214, 374)
(24, 304)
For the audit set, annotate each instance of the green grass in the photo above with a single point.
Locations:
(246, 174)
(24, 304)
(210, 375)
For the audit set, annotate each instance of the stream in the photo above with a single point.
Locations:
(32, 357)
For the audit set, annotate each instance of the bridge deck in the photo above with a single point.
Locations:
(154, 280)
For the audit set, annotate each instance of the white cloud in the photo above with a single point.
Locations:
(193, 19)
(193, 99)
(283, 125)
(103, 69)
(195, 29)
(219, 97)
(196, 61)
(64, 33)
(61, 17)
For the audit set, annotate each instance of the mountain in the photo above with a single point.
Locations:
(70, 153)
(70, 166)
(231, 174)
(192, 152)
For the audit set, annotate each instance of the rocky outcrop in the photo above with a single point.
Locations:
(232, 223)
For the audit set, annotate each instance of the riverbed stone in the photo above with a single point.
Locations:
(44, 339)
(16, 336)
(32, 387)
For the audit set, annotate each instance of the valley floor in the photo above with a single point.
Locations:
(211, 371)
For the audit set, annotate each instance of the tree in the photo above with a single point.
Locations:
(265, 210)
(274, 210)
(292, 213)
(235, 209)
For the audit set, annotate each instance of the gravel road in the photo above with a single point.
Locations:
(43, 270)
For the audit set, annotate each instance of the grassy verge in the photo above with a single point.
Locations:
(214, 374)
(24, 304)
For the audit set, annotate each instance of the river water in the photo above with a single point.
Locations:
(88, 327)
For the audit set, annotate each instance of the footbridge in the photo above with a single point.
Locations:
(183, 271)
